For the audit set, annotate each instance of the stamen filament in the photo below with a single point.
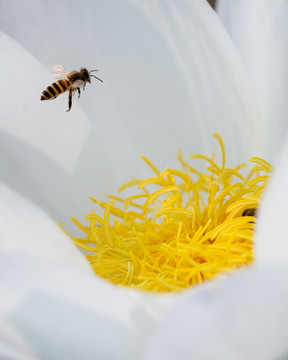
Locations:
(195, 226)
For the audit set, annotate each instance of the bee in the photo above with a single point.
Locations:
(71, 81)
(250, 212)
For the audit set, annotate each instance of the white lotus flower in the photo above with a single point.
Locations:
(171, 78)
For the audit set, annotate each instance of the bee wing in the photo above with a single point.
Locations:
(59, 71)
(77, 84)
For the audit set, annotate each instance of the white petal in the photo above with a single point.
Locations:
(244, 317)
(259, 30)
(59, 313)
(272, 231)
(221, 97)
(27, 119)
(55, 158)
(25, 229)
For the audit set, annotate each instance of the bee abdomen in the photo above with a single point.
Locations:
(55, 89)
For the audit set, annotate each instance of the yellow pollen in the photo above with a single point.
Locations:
(188, 230)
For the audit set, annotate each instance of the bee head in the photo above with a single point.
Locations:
(85, 74)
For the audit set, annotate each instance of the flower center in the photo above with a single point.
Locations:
(177, 228)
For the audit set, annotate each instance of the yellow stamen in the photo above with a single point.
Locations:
(188, 230)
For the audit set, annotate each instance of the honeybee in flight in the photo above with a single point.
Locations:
(71, 81)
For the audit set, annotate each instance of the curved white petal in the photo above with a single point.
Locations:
(56, 159)
(244, 317)
(272, 233)
(259, 30)
(55, 312)
(26, 230)
(220, 93)
(171, 74)
(30, 121)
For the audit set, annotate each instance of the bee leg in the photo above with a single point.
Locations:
(78, 92)
(70, 100)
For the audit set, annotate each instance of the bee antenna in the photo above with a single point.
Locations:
(97, 78)
(92, 71)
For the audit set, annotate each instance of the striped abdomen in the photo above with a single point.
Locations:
(55, 89)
